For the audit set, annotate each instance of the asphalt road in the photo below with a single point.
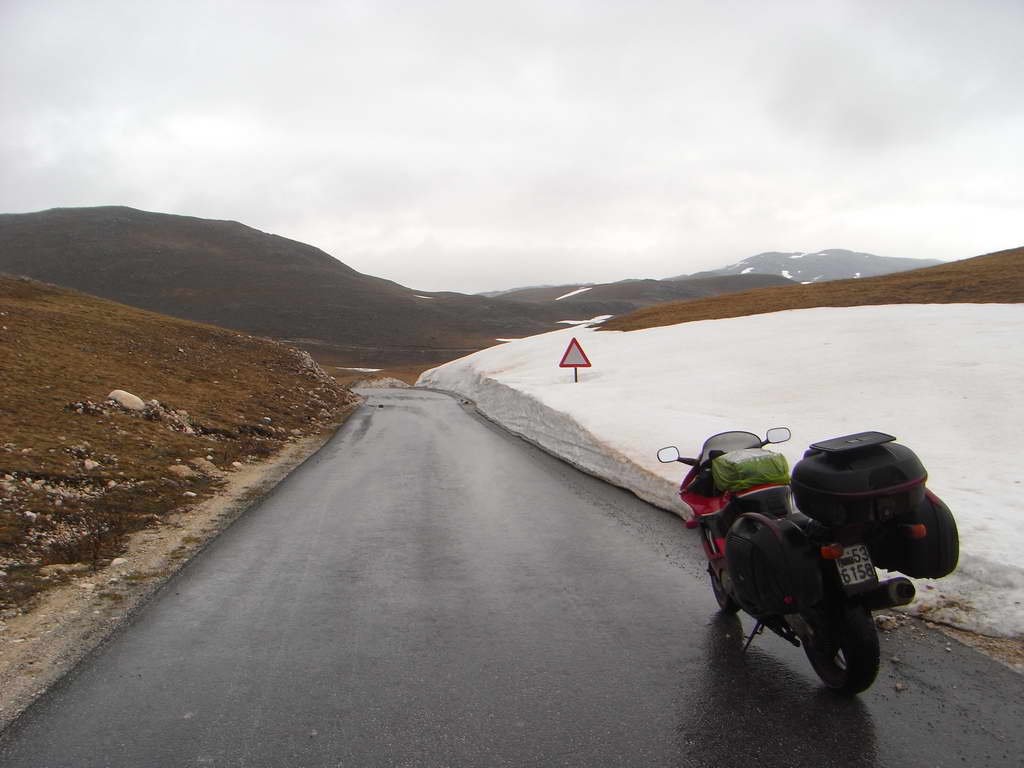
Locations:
(429, 591)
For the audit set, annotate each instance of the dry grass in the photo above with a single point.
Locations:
(61, 353)
(993, 278)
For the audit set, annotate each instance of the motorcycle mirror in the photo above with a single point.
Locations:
(668, 455)
(778, 435)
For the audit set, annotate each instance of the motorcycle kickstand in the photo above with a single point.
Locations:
(758, 629)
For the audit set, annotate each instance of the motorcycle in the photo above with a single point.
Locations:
(798, 552)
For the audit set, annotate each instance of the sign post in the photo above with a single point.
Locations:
(575, 358)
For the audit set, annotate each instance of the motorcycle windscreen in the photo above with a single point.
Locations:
(728, 441)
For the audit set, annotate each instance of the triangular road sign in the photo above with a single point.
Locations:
(574, 356)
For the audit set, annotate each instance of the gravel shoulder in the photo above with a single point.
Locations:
(37, 648)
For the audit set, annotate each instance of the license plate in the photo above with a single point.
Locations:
(855, 567)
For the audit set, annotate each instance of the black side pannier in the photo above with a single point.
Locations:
(930, 557)
(858, 478)
(774, 568)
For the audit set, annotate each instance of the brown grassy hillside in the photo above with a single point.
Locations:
(76, 472)
(993, 278)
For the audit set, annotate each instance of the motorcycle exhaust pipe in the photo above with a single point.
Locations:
(898, 590)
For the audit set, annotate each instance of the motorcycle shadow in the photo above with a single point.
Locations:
(753, 706)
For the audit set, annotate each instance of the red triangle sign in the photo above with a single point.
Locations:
(574, 356)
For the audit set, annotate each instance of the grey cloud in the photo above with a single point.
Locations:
(584, 140)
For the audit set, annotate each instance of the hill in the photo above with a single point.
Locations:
(227, 274)
(819, 267)
(992, 278)
(78, 472)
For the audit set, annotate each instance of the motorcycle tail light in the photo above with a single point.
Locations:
(917, 531)
(832, 551)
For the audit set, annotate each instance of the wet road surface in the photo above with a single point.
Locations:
(428, 590)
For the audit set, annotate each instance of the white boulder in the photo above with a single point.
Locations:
(127, 400)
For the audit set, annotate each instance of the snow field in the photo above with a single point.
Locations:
(945, 379)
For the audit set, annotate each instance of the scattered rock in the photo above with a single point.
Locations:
(900, 686)
(236, 464)
(127, 400)
(206, 467)
(89, 464)
(185, 473)
(118, 561)
(189, 494)
(886, 623)
(79, 450)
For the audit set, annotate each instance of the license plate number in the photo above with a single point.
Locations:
(855, 566)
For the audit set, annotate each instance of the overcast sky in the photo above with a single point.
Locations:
(474, 145)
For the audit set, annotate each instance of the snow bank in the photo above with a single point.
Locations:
(945, 379)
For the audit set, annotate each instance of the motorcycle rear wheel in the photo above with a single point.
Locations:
(843, 650)
(726, 604)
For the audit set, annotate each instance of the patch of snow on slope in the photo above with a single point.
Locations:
(422, 297)
(572, 293)
(796, 256)
(952, 397)
(785, 274)
(592, 321)
(747, 271)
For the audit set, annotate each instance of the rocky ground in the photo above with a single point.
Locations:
(114, 420)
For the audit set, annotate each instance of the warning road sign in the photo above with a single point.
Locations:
(574, 356)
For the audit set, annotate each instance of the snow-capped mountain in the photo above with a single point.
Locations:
(821, 266)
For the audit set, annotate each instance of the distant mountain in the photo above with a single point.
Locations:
(230, 275)
(637, 293)
(992, 278)
(819, 267)
(227, 274)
